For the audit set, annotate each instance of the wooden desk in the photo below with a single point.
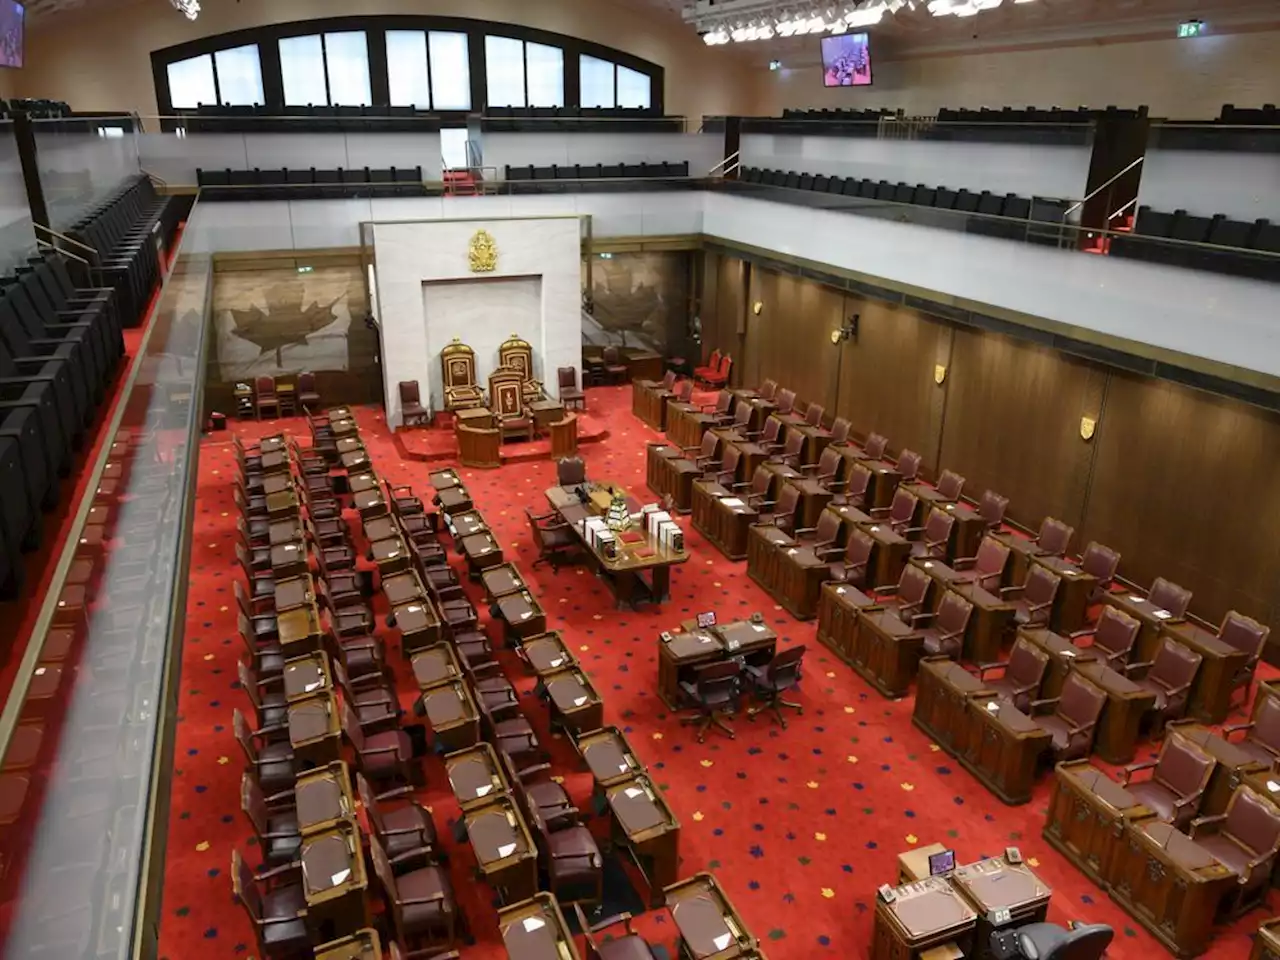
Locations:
(475, 776)
(926, 914)
(1075, 587)
(453, 499)
(468, 523)
(1266, 946)
(299, 630)
(889, 556)
(800, 576)
(608, 756)
(1117, 732)
(764, 543)
(1265, 783)
(693, 647)
(816, 440)
(381, 528)
(370, 504)
(1022, 549)
(750, 456)
(419, 625)
(943, 691)
(521, 615)
(505, 853)
(275, 461)
(391, 556)
(362, 945)
(1004, 746)
(649, 403)
(1231, 768)
(884, 483)
(943, 577)
(686, 423)
(781, 476)
(452, 715)
(913, 864)
(1088, 813)
(501, 579)
(995, 885)
(575, 705)
(814, 498)
(481, 551)
(355, 461)
(534, 929)
(349, 444)
(443, 479)
(334, 882)
(277, 483)
(992, 619)
(280, 532)
(657, 457)
(709, 924)
(838, 608)
(1210, 699)
(307, 675)
(323, 798)
(723, 518)
(477, 418)
(1062, 654)
(546, 653)
(315, 730)
(289, 560)
(401, 588)
(1171, 885)
(643, 824)
(892, 652)
(362, 483)
(1153, 620)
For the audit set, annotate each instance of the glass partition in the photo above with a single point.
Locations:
(81, 162)
(84, 733)
(17, 239)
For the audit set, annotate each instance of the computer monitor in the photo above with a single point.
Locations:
(940, 863)
(707, 619)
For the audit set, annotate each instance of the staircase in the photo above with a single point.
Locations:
(460, 183)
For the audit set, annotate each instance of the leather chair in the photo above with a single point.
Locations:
(741, 422)
(264, 397)
(713, 692)
(768, 389)
(909, 465)
(458, 376)
(277, 912)
(721, 412)
(1262, 737)
(1113, 637)
(567, 853)
(704, 458)
(935, 536)
(950, 485)
(1102, 562)
(615, 369)
(786, 401)
(827, 470)
(726, 475)
(822, 539)
(875, 447)
(276, 830)
(412, 412)
(1248, 636)
(907, 597)
(1245, 839)
(711, 366)
(405, 828)
(508, 729)
(772, 680)
(1167, 595)
(852, 566)
(991, 508)
(381, 757)
(628, 945)
(813, 415)
(944, 636)
(768, 439)
(901, 511)
(987, 566)
(782, 512)
(374, 701)
(1074, 721)
(555, 540)
(270, 708)
(1033, 601)
(272, 764)
(507, 402)
(1023, 673)
(1054, 537)
(1179, 777)
(570, 395)
(855, 487)
(792, 452)
(420, 903)
(1048, 941)
(840, 429)
(758, 489)
(1169, 677)
(308, 398)
(571, 471)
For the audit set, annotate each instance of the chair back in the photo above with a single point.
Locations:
(1167, 595)
(370, 803)
(707, 449)
(517, 354)
(760, 482)
(717, 683)
(1266, 721)
(903, 507)
(611, 355)
(950, 485)
(813, 414)
(351, 728)
(1055, 536)
(245, 887)
(458, 365)
(953, 614)
(409, 392)
(772, 427)
(1115, 633)
(1027, 664)
(668, 380)
(249, 684)
(769, 389)
(264, 387)
(989, 565)
(713, 361)
(1252, 822)
(386, 876)
(859, 480)
(786, 400)
(794, 445)
(728, 473)
(913, 586)
(306, 382)
(992, 507)
(857, 552)
(1175, 666)
(724, 403)
(506, 399)
(937, 532)
(1051, 942)
(909, 465)
(827, 529)
(1100, 561)
(1041, 586)
(829, 464)
(1081, 702)
(567, 378)
(684, 391)
(840, 430)
(1243, 633)
(243, 735)
(742, 415)
(726, 366)
(783, 671)
(571, 471)
(253, 803)
(1183, 767)
(788, 502)
(875, 446)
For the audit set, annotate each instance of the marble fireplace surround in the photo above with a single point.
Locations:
(427, 295)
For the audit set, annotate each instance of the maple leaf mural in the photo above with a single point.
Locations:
(285, 317)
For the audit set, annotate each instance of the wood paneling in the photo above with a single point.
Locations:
(722, 306)
(1013, 424)
(1185, 487)
(886, 377)
(788, 340)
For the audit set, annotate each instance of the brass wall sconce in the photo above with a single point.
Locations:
(1088, 427)
(939, 374)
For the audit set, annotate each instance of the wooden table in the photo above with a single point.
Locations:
(280, 532)
(501, 579)
(546, 653)
(800, 576)
(1003, 895)
(1171, 885)
(838, 607)
(576, 707)
(468, 523)
(1004, 747)
(545, 413)
(323, 798)
(1063, 656)
(419, 625)
(1088, 813)
(521, 615)
(289, 560)
(722, 517)
(295, 592)
(683, 650)
(888, 557)
(649, 403)
(644, 825)
(476, 418)
(307, 675)
(1117, 733)
(452, 715)
(686, 423)
(299, 630)
(1153, 619)
(391, 556)
(362, 945)
(943, 577)
(370, 504)
(709, 924)
(535, 928)
(923, 915)
(1075, 587)
(814, 498)
(400, 588)
(443, 479)
(381, 528)
(943, 691)
(608, 756)
(892, 652)
(1210, 699)
(453, 500)
(475, 776)
(435, 665)
(991, 621)
(481, 551)
(505, 853)
(1266, 946)
(884, 483)
(764, 545)
(334, 882)
(315, 730)
(1232, 766)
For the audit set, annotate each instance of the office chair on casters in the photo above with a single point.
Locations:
(714, 692)
(775, 678)
(556, 542)
(1048, 941)
(571, 471)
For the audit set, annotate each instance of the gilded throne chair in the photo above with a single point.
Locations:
(506, 401)
(517, 354)
(458, 370)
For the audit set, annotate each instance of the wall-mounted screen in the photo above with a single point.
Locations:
(12, 16)
(846, 61)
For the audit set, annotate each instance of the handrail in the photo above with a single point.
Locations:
(1122, 209)
(65, 253)
(1097, 190)
(155, 176)
(724, 165)
(62, 236)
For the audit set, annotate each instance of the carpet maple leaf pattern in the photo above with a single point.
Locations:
(284, 325)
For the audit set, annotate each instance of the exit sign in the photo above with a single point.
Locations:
(1191, 28)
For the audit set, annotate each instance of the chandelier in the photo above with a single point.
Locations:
(188, 8)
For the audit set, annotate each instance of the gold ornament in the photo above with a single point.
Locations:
(483, 252)
(1087, 427)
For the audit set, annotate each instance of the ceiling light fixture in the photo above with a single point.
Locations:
(743, 21)
(188, 8)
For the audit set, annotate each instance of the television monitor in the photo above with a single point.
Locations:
(12, 17)
(846, 61)
(707, 620)
(940, 863)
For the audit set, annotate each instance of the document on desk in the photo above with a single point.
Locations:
(731, 501)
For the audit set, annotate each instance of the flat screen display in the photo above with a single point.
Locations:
(12, 16)
(846, 61)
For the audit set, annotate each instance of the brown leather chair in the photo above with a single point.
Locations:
(1167, 595)
(567, 853)
(713, 692)
(478, 446)
(907, 597)
(1179, 777)
(986, 567)
(950, 485)
(412, 412)
(1102, 562)
(1245, 839)
(564, 436)
(264, 397)
(900, 512)
(722, 411)
(741, 423)
(827, 470)
(822, 539)
(726, 475)
(840, 429)
(1248, 636)
(704, 457)
(1023, 673)
(571, 471)
(276, 830)
(509, 731)
(405, 828)
(768, 438)
(855, 488)
(1262, 737)
(277, 912)
(1033, 601)
(935, 536)
(628, 945)
(1054, 537)
(852, 566)
(308, 398)
(792, 452)
(1074, 721)
(770, 681)
(768, 389)
(381, 757)
(570, 395)
(1169, 677)
(813, 414)
(909, 465)
(944, 636)
(991, 508)
(875, 446)
(270, 708)
(272, 763)
(1113, 637)
(782, 512)
(786, 401)
(758, 488)
(420, 902)
(555, 540)
(615, 370)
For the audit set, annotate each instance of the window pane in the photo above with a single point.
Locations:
(450, 71)
(504, 71)
(545, 67)
(453, 147)
(348, 58)
(239, 75)
(596, 78)
(302, 71)
(191, 83)
(407, 69)
(633, 88)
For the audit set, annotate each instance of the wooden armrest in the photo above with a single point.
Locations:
(963, 563)
(1087, 632)
(293, 866)
(1127, 772)
(984, 667)
(394, 794)
(1235, 727)
(1032, 608)
(1010, 591)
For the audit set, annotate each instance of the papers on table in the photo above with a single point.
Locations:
(506, 849)
(731, 501)
(339, 877)
(533, 923)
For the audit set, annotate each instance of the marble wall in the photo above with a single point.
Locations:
(534, 292)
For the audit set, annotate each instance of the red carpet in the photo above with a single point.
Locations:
(800, 826)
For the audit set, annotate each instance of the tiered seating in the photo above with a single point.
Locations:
(310, 184)
(599, 171)
(1153, 226)
(578, 120)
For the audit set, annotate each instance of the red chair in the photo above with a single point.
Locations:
(720, 376)
(700, 374)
